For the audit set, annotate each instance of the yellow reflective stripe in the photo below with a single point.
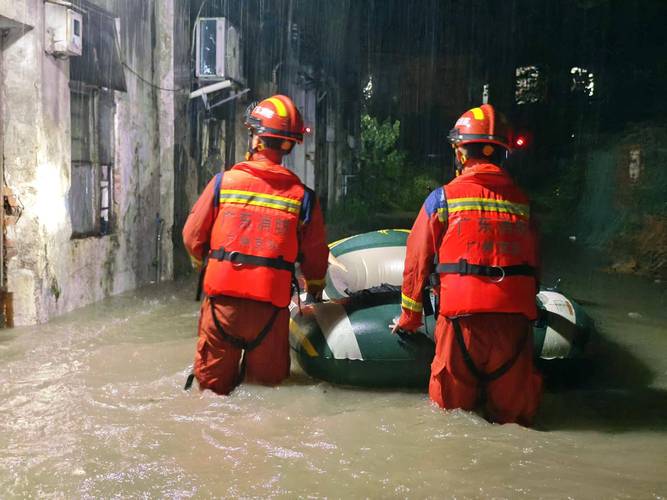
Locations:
(411, 304)
(482, 204)
(257, 203)
(289, 201)
(477, 113)
(260, 199)
(480, 208)
(280, 107)
(299, 333)
(442, 214)
(195, 261)
(316, 282)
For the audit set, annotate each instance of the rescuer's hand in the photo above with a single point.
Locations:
(196, 263)
(395, 329)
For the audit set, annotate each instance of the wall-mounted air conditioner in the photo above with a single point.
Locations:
(218, 47)
(63, 30)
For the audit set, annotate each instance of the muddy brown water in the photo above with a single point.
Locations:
(92, 406)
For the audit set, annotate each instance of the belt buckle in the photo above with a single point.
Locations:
(502, 274)
(232, 257)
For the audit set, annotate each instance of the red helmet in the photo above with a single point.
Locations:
(278, 117)
(481, 124)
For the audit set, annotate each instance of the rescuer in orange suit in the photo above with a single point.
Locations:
(249, 228)
(476, 233)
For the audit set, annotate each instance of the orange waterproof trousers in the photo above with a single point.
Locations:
(491, 340)
(217, 362)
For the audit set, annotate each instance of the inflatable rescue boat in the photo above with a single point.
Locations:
(345, 339)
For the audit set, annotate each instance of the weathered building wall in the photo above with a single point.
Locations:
(185, 183)
(51, 273)
(23, 157)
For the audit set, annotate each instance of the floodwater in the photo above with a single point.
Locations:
(92, 406)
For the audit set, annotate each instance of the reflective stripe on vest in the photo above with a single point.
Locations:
(260, 200)
(488, 205)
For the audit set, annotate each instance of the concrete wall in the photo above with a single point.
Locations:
(51, 273)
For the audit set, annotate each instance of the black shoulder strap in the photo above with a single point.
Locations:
(216, 189)
(307, 205)
(305, 215)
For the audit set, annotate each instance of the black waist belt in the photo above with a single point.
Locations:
(464, 267)
(252, 260)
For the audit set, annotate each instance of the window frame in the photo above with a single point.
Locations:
(102, 173)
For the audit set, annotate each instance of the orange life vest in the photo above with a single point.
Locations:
(487, 258)
(255, 235)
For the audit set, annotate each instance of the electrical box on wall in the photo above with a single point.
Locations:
(63, 30)
(218, 46)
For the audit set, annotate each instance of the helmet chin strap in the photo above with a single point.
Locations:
(252, 150)
(459, 161)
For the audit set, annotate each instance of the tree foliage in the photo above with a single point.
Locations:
(381, 163)
(388, 189)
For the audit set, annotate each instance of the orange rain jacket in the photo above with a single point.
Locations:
(252, 234)
(478, 223)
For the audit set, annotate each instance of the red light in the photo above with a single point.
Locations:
(307, 130)
(520, 142)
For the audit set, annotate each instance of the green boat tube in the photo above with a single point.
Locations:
(346, 338)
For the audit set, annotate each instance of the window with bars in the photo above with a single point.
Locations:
(92, 175)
